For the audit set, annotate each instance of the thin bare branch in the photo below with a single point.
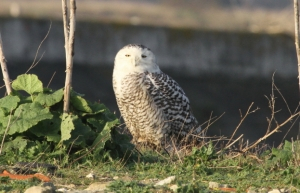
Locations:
(4, 69)
(211, 121)
(242, 120)
(270, 133)
(271, 101)
(51, 79)
(34, 63)
(6, 130)
(287, 106)
(9, 123)
(295, 121)
(228, 146)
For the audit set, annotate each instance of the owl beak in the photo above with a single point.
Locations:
(136, 60)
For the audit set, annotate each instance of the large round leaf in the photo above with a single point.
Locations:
(29, 83)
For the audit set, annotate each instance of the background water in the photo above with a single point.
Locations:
(221, 72)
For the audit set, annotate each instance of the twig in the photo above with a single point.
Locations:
(8, 126)
(242, 120)
(69, 47)
(73, 144)
(287, 106)
(211, 121)
(6, 130)
(273, 131)
(4, 69)
(295, 121)
(227, 146)
(34, 63)
(123, 162)
(51, 79)
(296, 16)
(272, 107)
(176, 151)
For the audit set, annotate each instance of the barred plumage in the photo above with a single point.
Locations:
(153, 105)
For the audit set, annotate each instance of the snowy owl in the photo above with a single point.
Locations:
(154, 107)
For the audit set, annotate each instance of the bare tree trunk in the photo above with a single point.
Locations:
(4, 69)
(296, 16)
(69, 47)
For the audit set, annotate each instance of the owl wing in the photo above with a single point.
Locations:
(169, 96)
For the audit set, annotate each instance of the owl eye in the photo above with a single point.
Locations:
(127, 55)
(144, 56)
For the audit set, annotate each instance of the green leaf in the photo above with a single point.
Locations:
(122, 142)
(283, 155)
(74, 93)
(34, 148)
(104, 135)
(49, 128)
(81, 134)
(287, 146)
(101, 139)
(110, 116)
(74, 131)
(66, 126)
(9, 102)
(29, 83)
(97, 122)
(26, 116)
(111, 123)
(3, 112)
(26, 99)
(17, 143)
(96, 109)
(50, 99)
(55, 137)
(211, 151)
(80, 104)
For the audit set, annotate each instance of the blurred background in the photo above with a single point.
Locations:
(223, 53)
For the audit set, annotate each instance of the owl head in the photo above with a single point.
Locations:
(135, 58)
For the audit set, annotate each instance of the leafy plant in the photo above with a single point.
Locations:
(201, 155)
(34, 123)
(280, 157)
(200, 158)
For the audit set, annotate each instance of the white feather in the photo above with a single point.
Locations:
(153, 105)
(133, 60)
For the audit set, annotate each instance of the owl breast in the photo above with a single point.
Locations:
(143, 117)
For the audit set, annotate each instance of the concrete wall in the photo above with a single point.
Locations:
(195, 52)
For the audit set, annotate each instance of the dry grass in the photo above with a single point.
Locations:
(143, 13)
(236, 146)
